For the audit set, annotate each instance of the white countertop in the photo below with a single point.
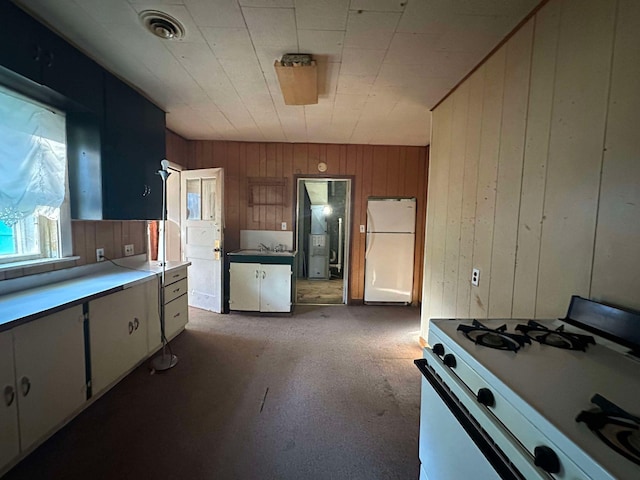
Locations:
(73, 286)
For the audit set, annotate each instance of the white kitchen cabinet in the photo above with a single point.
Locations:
(118, 334)
(260, 287)
(9, 438)
(50, 372)
(176, 308)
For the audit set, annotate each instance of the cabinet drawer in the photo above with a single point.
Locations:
(173, 291)
(176, 315)
(175, 275)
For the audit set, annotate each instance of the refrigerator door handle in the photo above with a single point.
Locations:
(369, 244)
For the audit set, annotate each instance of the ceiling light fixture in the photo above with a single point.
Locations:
(298, 77)
(162, 25)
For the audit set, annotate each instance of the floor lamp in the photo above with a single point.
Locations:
(165, 361)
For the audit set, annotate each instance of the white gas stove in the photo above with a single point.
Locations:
(498, 402)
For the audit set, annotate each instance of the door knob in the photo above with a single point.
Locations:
(25, 383)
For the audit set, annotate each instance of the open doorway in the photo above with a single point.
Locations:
(322, 237)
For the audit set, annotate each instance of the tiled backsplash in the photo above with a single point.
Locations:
(87, 237)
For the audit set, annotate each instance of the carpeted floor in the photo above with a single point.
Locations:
(328, 393)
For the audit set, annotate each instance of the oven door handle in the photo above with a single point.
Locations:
(499, 464)
(450, 395)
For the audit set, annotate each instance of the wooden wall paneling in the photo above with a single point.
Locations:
(469, 193)
(359, 238)
(287, 167)
(440, 186)
(177, 149)
(313, 158)
(79, 241)
(487, 179)
(543, 65)
(343, 160)
(272, 169)
(575, 153)
(458, 133)
(300, 155)
(118, 246)
(421, 196)
(379, 171)
(104, 238)
(351, 160)
(616, 270)
(253, 170)
(332, 159)
(513, 132)
(232, 205)
(393, 171)
(90, 241)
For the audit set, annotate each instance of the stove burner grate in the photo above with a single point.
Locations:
(493, 338)
(615, 427)
(555, 338)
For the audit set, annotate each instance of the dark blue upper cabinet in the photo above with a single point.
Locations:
(115, 136)
(41, 56)
(133, 145)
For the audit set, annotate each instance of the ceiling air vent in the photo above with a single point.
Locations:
(162, 25)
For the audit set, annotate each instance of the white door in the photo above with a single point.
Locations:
(202, 226)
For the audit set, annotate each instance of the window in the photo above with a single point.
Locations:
(34, 207)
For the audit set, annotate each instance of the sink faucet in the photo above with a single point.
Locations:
(280, 248)
(262, 247)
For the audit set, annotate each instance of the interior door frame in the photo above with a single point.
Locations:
(349, 205)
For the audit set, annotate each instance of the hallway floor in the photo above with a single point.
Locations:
(328, 393)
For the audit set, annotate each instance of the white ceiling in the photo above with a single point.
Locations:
(383, 63)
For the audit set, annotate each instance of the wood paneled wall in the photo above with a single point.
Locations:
(375, 170)
(534, 171)
(107, 234)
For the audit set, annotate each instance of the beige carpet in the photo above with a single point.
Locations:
(328, 393)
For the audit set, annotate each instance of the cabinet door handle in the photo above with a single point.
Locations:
(37, 51)
(25, 383)
(257, 273)
(176, 315)
(264, 274)
(136, 323)
(48, 58)
(176, 290)
(9, 395)
(130, 328)
(176, 275)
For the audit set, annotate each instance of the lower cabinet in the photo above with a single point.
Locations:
(176, 308)
(260, 287)
(117, 334)
(43, 379)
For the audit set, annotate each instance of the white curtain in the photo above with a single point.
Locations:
(32, 159)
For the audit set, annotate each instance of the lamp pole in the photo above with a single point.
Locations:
(164, 361)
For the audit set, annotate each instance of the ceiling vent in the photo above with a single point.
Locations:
(162, 25)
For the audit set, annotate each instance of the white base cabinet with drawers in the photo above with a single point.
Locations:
(176, 308)
(259, 287)
(43, 379)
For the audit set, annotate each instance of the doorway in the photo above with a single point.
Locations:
(322, 239)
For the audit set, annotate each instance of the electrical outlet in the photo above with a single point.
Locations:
(475, 277)
(283, 226)
(100, 254)
(361, 228)
(128, 250)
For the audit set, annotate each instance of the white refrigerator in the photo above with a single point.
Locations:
(391, 227)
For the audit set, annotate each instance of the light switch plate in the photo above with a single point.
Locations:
(283, 226)
(361, 228)
(128, 250)
(100, 254)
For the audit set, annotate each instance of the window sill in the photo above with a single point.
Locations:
(32, 267)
